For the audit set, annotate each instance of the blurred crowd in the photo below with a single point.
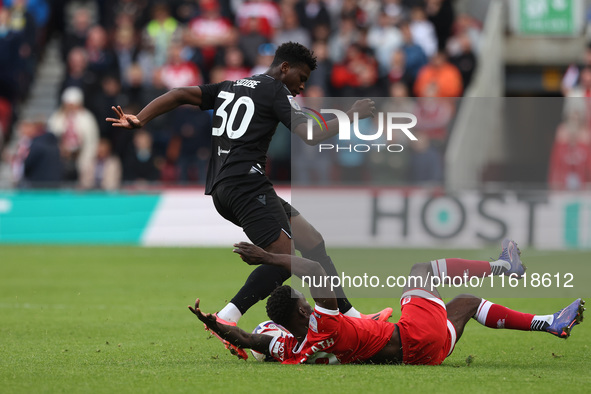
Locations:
(127, 52)
(570, 158)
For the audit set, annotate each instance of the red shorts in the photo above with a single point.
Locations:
(427, 336)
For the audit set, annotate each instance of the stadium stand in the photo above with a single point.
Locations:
(128, 51)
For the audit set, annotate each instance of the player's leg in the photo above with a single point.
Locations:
(311, 245)
(254, 206)
(560, 323)
(508, 263)
(460, 310)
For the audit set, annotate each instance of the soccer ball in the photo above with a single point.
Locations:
(268, 328)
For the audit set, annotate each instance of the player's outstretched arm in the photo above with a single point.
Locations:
(160, 105)
(364, 108)
(232, 334)
(299, 266)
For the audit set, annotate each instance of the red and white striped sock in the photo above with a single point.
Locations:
(447, 269)
(498, 316)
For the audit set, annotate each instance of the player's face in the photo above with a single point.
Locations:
(295, 77)
(304, 306)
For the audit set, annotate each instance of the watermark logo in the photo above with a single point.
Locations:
(388, 123)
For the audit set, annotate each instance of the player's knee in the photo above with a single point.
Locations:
(421, 269)
(306, 237)
(467, 302)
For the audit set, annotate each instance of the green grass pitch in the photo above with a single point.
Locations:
(114, 320)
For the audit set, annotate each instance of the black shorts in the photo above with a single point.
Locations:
(250, 202)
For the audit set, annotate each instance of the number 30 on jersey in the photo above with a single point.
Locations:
(229, 120)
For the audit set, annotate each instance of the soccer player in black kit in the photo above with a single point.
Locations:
(246, 114)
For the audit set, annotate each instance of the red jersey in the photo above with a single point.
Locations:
(333, 339)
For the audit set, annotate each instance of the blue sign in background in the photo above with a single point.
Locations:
(71, 217)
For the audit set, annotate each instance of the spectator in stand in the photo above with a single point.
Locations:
(357, 75)
(100, 104)
(178, 72)
(191, 143)
(423, 31)
(384, 38)
(439, 78)
(572, 76)
(464, 25)
(139, 164)
(160, 128)
(137, 11)
(234, 68)
(185, 10)
(127, 50)
(435, 115)
(264, 11)
(102, 61)
(77, 74)
(291, 30)
(321, 33)
(312, 13)
(395, 10)
(37, 160)
(579, 98)
(210, 32)
(321, 76)
(398, 72)
(265, 54)
(251, 39)
(40, 12)
(104, 172)
(76, 35)
(161, 32)
(414, 56)
(352, 9)
(10, 46)
(426, 161)
(23, 23)
(442, 16)
(464, 59)
(77, 132)
(570, 159)
(135, 90)
(346, 35)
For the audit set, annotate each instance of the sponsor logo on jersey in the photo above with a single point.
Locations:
(249, 83)
(294, 104)
(313, 324)
(278, 349)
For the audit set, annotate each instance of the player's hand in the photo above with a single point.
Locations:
(126, 121)
(365, 108)
(208, 318)
(251, 254)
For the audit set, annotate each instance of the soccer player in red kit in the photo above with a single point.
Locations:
(425, 334)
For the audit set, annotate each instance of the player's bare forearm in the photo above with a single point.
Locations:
(233, 334)
(169, 101)
(299, 266)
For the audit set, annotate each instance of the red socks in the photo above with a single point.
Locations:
(498, 316)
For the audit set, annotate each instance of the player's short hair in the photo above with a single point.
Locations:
(281, 304)
(295, 54)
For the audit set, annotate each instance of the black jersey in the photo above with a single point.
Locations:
(246, 115)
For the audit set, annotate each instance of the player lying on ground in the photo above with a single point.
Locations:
(425, 334)
(245, 115)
